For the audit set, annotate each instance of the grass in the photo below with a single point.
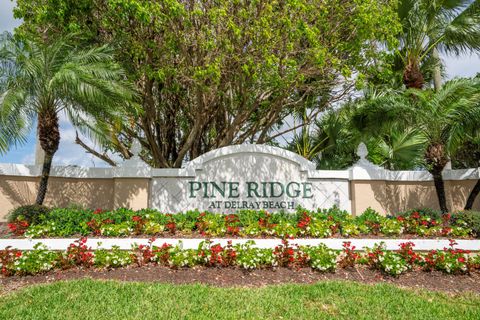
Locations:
(90, 299)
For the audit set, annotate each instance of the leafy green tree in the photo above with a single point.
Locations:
(430, 27)
(44, 80)
(442, 118)
(215, 73)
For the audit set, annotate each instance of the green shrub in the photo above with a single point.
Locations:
(30, 213)
(469, 219)
(370, 215)
(335, 213)
(68, 221)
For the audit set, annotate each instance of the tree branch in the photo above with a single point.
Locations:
(97, 154)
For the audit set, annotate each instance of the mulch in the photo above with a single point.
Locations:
(236, 277)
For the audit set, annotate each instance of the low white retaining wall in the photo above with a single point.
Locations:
(127, 243)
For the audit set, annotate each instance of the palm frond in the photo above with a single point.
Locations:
(398, 149)
(462, 34)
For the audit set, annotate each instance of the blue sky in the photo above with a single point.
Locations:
(71, 154)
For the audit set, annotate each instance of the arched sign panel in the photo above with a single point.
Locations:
(253, 177)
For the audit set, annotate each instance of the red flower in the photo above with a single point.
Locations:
(18, 227)
(305, 221)
(446, 217)
(461, 260)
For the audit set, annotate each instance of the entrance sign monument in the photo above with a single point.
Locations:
(255, 177)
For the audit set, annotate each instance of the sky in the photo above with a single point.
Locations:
(70, 153)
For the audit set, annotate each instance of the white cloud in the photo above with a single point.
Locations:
(7, 21)
(462, 66)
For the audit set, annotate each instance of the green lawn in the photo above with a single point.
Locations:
(88, 299)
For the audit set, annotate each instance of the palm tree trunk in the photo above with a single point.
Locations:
(49, 137)
(42, 188)
(473, 194)
(412, 76)
(440, 188)
(437, 74)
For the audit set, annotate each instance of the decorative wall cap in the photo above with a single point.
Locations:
(197, 163)
(135, 161)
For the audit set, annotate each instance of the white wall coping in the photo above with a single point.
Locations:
(135, 168)
(336, 244)
(354, 173)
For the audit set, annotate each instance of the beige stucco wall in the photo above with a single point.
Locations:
(16, 191)
(383, 196)
(131, 193)
(92, 193)
(390, 197)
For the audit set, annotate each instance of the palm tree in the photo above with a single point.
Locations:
(430, 26)
(397, 149)
(441, 117)
(12, 127)
(44, 80)
(330, 142)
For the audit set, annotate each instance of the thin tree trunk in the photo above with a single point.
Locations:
(437, 74)
(49, 137)
(42, 189)
(473, 195)
(440, 188)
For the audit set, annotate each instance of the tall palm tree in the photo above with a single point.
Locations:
(441, 117)
(433, 26)
(46, 79)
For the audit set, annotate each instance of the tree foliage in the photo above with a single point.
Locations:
(214, 73)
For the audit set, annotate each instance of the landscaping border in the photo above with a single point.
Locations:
(189, 243)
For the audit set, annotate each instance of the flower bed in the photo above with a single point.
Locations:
(253, 224)
(246, 256)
